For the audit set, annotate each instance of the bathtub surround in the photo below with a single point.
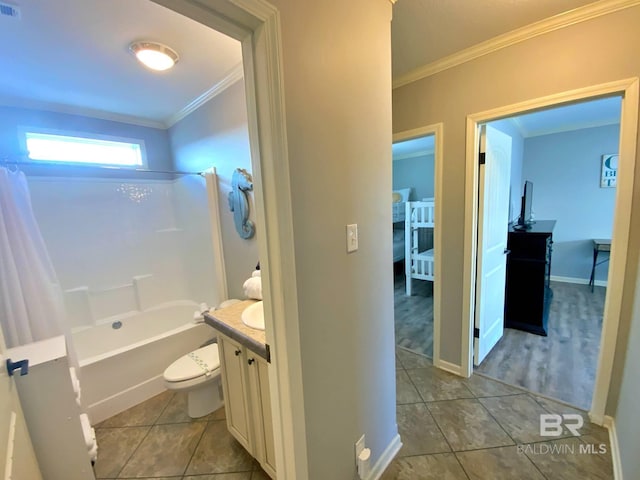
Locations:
(31, 303)
(126, 246)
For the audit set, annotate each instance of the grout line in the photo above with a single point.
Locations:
(134, 450)
(497, 422)
(195, 449)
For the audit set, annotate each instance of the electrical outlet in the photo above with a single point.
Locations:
(359, 447)
(352, 237)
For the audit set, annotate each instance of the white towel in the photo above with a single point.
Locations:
(256, 273)
(253, 288)
(198, 317)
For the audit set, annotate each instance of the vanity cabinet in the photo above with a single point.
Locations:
(245, 383)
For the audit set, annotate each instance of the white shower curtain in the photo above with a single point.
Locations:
(31, 302)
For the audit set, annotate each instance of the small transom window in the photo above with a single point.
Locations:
(53, 147)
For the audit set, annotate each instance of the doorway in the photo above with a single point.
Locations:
(417, 167)
(628, 91)
(558, 209)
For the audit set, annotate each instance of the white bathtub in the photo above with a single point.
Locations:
(120, 368)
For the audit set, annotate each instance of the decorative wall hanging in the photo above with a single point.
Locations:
(609, 172)
(241, 183)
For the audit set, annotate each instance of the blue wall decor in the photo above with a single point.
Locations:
(241, 183)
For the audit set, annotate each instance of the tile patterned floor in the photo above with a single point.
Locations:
(451, 428)
(158, 440)
(481, 429)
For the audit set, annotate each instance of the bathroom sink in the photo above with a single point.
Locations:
(253, 316)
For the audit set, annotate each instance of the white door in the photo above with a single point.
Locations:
(16, 451)
(493, 220)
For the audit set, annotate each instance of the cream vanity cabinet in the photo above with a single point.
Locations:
(245, 382)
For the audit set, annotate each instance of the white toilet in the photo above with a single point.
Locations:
(198, 374)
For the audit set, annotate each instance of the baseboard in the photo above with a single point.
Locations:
(449, 367)
(610, 424)
(386, 458)
(128, 398)
(578, 281)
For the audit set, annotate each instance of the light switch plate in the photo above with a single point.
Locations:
(352, 237)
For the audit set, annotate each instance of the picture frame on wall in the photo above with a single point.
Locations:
(609, 171)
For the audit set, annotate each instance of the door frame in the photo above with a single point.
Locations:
(436, 130)
(628, 90)
(256, 24)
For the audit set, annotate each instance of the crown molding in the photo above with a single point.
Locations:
(81, 111)
(562, 20)
(235, 74)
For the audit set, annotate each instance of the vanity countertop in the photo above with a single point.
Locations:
(228, 322)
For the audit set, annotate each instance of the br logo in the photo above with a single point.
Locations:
(551, 425)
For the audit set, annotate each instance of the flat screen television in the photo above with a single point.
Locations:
(525, 221)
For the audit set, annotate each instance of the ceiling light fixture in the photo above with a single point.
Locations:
(154, 55)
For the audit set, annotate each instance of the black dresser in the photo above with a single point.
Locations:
(528, 292)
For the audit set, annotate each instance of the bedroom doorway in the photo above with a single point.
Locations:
(627, 91)
(552, 312)
(416, 163)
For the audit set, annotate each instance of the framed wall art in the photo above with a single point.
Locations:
(609, 172)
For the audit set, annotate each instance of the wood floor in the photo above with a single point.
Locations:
(414, 316)
(561, 365)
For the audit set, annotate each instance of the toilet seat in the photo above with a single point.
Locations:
(203, 362)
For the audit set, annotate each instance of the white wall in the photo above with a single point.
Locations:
(216, 134)
(336, 58)
(417, 173)
(565, 171)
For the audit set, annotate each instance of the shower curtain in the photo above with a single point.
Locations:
(31, 302)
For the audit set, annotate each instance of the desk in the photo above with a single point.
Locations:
(599, 245)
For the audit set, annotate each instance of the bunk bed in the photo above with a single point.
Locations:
(418, 236)
(400, 199)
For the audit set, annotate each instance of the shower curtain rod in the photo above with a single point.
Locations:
(102, 167)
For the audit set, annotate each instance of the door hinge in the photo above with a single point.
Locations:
(483, 158)
(476, 333)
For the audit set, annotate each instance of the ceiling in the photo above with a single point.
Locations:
(423, 31)
(72, 56)
(594, 113)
